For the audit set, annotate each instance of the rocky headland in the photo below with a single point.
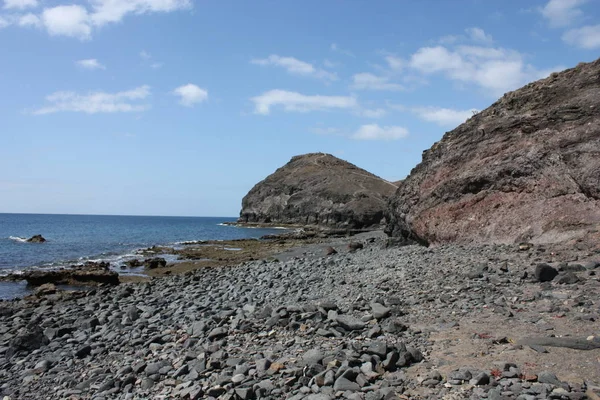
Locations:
(525, 169)
(318, 189)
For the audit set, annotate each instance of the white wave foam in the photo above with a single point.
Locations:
(17, 239)
(188, 242)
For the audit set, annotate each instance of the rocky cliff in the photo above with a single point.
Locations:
(525, 169)
(318, 189)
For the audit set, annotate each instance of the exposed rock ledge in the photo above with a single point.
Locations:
(89, 273)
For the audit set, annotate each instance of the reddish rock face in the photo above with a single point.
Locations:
(525, 169)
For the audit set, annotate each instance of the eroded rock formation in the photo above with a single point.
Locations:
(318, 189)
(525, 169)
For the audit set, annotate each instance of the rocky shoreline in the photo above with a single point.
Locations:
(377, 322)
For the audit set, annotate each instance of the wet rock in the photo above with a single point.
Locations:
(36, 239)
(156, 262)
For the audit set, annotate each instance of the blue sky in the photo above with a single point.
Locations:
(178, 107)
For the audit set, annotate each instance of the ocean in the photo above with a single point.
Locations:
(73, 239)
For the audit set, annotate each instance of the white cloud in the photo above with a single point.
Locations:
(479, 35)
(145, 55)
(72, 21)
(96, 102)
(30, 20)
(90, 63)
(376, 132)
(190, 94)
(587, 37)
(444, 116)
(495, 70)
(296, 67)
(368, 81)
(111, 11)
(20, 4)
(3, 22)
(560, 13)
(293, 101)
(395, 63)
(79, 21)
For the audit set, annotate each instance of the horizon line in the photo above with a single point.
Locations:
(116, 215)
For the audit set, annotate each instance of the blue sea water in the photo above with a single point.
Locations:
(76, 238)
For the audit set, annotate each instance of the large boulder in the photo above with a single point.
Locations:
(525, 169)
(318, 189)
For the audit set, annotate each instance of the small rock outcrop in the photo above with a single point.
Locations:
(318, 189)
(525, 169)
(90, 273)
(36, 239)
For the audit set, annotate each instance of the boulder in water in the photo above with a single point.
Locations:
(36, 239)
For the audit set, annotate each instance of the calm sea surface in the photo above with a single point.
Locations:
(77, 238)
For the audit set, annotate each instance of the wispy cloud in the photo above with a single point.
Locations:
(372, 113)
(327, 131)
(369, 132)
(190, 94)
(96, 102)
(20, 4)
(561, 13)
(148, 60)
(444, 116)
(587, 37)
(293, 101)
(479, 35)
(90, 63)
(368, 81)
(376, 132)
(29, 20)
(296, 67)
(337, 49)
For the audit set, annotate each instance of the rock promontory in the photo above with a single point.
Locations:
(318, 189)
(525, 169)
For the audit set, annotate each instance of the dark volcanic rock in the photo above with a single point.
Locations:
(318, 189)
(86, 274)
(525, 169)
(36, 239)
(157, 262)
(545, 273)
